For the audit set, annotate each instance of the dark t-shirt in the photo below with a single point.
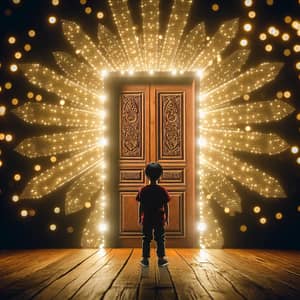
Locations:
(152, 198)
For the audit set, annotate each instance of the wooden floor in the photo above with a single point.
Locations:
(116, 274)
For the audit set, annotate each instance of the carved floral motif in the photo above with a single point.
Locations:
(172, 125)
(131, 125)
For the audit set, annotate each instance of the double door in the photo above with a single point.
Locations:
(156, 123)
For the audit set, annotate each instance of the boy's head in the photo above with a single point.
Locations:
(153, 171)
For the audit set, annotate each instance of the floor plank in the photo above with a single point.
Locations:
(218, 286)
(68, 284)
(126, 284)
(147, 289)
(156, 282)
(279, 258)
(244, 284)
(186, 283)
(289, 279)
(165, 287)
(257, 272)
(102, 277)
(20, 268)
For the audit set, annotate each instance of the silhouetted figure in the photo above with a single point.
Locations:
(153, 214)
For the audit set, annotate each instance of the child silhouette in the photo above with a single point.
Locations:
(153, 214)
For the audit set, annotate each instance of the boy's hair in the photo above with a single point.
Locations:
(153, 170)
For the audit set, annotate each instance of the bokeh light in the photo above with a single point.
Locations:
(52, 227)
(243, 228)
(52, 20)
(263, 220)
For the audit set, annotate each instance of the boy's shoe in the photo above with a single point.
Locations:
(162, 262)
(144, 262)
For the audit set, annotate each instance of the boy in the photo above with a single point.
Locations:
(153, 214)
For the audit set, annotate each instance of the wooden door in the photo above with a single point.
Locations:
(157, 124)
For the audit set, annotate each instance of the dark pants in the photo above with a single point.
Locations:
(159, 237)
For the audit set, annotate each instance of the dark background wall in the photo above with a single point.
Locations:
(33, 231)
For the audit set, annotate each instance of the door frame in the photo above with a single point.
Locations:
(113, 86)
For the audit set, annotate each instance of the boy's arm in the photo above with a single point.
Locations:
(140, 213)
(166, 209)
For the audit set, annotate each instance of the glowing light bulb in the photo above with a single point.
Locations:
(201, 226)
(103, 98)
(102, 227)
(199, 73)
(104, 73)
(174, 72)
(202, 142)
(103, 142)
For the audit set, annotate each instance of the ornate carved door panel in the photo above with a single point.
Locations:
(157, 124)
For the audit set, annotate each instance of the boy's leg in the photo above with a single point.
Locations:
(159, 236)
(147, 237)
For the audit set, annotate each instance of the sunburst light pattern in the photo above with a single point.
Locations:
(224, 125)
